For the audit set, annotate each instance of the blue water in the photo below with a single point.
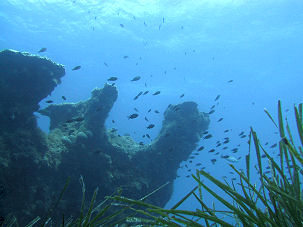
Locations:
(199, 46)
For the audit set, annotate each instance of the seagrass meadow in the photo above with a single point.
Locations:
(277, 201)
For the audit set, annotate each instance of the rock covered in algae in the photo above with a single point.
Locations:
(25, 80)
(79, 144)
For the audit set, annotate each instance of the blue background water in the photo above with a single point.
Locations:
(200, 45)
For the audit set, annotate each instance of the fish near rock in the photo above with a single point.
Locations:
(150, 126)
(113, 78)
(136, 78)
(132, 116)
(76, 67)
(43, 49)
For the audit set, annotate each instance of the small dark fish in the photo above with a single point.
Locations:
(143, 136)
(234, 150)
(136, 78)
(224, 148)
(218, 96)
(226, 141)
(243, 136)
(181, 95)
(113, 121)
(241, 133)
(213, 106)
(145, 92)
(149, 110)
(150, 126)
(227, 130)
(188, 176)
(198, 164)
(224, 156)
(145, 118)
(105, 64)
(211, 112)
(230, 81)
(122, 25)
(233, 178)
(42, 50)
(220, 119)
(147, 135)
(113, 78)
(266, 143)
(125, 56)
(77, 67)
(273, 146)
(213, 161)
(63, 97)
(156, 111)
(163, 20)
(49, 101)
(138, 95)
(206, 132)
(141, 143)
(157, 93)
(263, 156)
(208, 136)
(219, 144)
(200, 148)
(136, 109)
(211, 151)
(217, 153)
(132, 116)
(286, 110)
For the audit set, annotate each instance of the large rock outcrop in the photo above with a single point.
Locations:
(34, 166)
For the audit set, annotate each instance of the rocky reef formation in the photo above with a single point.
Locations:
(34, 166)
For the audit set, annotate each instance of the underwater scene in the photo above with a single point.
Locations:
(151, 113)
